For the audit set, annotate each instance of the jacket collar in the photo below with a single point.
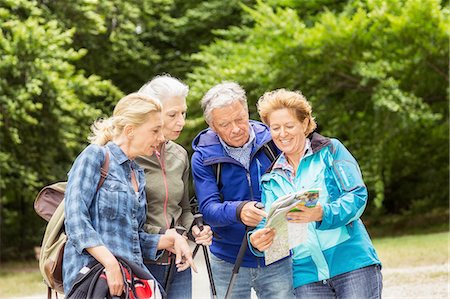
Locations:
(207, 142)
(316, 141)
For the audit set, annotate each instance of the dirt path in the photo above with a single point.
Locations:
(416, 282)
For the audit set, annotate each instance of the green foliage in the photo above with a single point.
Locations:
(129, 42)
(44, 118)
(375, 71)
(376, 74)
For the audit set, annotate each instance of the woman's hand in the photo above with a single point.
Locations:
(306, 214)
(114, 279)
(183, 254)
(178, 244)
(203, 237)
(113, 271)
(262, 238)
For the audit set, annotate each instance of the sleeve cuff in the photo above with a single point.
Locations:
(255, 251)
(83, 241)
(239, 209)
(149, 246)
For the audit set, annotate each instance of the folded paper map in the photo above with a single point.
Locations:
(288, 235)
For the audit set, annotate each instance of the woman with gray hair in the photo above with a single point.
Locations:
(169, 203)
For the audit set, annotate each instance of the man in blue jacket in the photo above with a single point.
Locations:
(228, 161)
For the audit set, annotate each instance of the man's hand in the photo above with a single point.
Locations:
(203, 237)
(251, 215)
(306, 214)
(263, 238)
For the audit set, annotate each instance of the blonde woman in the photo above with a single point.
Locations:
(103, 224)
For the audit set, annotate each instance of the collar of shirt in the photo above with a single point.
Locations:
(283, 164)
(119, 154)
(241, 154)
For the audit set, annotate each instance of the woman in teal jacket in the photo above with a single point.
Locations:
(337, 260)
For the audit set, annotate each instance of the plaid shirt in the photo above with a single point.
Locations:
(113, 217)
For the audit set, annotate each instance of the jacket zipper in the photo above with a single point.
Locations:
(163, 168)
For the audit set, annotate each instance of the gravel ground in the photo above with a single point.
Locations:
(415, 282)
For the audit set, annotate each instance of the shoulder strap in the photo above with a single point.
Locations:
(270, 150)
(216, 168)
(104, 170)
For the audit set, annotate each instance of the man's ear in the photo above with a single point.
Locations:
(129, 131)
(211, 125)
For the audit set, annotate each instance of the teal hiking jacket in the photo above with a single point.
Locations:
(339, 243)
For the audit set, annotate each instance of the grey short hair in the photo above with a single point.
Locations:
(222, 95)
(165, 87)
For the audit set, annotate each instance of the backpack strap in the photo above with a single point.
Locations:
(270, 150)
(104, 170)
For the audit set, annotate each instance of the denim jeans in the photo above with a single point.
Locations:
(364, 283)
(273, 281)
(181, 284)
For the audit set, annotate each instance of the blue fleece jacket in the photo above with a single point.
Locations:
(221, 205)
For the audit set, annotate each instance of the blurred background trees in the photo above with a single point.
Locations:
(375, 71)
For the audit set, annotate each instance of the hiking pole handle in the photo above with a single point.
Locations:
(198, 218)
(180, 230)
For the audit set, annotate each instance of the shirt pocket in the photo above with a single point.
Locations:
(112, 198)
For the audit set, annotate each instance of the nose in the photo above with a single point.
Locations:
(235, 129)
(161, 136)
(181, 121)
(282, 132)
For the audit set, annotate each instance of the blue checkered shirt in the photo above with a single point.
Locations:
(114, 216)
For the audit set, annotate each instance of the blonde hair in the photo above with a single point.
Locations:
(286, 99)
(133, 109)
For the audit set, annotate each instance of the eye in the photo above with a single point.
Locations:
(275, 128)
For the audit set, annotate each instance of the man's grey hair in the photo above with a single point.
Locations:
(165, 87)
(222, 95)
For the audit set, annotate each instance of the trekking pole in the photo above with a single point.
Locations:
(198, 218)
(180, 230)
(240, 256)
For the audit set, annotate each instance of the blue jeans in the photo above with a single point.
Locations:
(273, 281)
(364, 283)
(181, 284)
